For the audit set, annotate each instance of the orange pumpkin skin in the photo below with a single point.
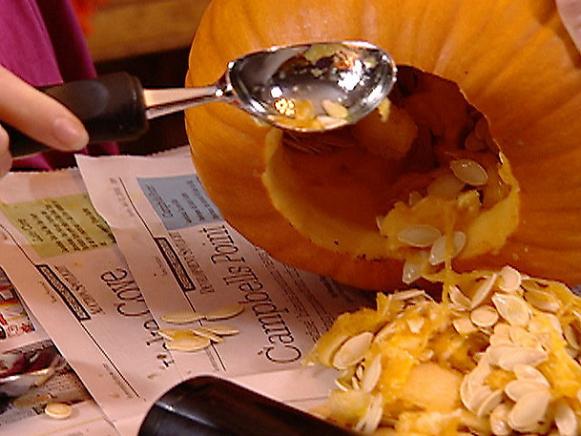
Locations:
(512, 59)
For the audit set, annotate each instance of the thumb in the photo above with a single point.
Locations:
(38, 115)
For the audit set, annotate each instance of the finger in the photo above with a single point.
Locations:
(38, 115)
(5, 158)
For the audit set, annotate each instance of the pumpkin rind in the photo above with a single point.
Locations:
(512, 59)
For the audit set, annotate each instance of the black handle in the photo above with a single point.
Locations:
(111, 108)
(210, 406)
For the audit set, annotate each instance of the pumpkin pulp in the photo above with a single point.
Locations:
(355, 189)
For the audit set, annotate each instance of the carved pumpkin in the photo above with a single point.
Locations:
(509, 62)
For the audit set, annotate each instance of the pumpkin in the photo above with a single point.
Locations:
(510, 63)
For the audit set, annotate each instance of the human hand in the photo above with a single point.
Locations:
(38, 116)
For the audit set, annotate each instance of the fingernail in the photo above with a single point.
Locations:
(70, 133)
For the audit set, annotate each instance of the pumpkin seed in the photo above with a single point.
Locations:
(484, 316)
(482, 370)
(58, 410)
(464, 326)
(469, 172)
(530, 373)
(352, 351)
(498, 420)
(518, 388)
(489, 403)
(406, 295)
(385, 331)
(543, 300)
(478, 396)
(519, 336)
(182, 317)
(326, 353)
(222, 329)
(500, 335)
(445, 186)
(529, 411)
(414, 268)
(571, 337)
(331, 122)
(502, 329)
(527, 356)
(483, 290)
(512, 308)
(355, 383)
(419, 236)
(571, 352)
(458, 298)
(565, 419)
(170, 334)
(499, 340)
(439, 250)
(509, 279)
(495, 352)
(371, 375)
(190, 344)
(225, 312)
(341, 386)
(359, 372)
(335, 109)
(205, 333)
(372, 417)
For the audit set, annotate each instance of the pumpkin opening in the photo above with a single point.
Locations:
(423, 166)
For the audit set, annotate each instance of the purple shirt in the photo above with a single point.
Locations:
(42, 43)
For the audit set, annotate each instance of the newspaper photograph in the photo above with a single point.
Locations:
(185, 257)
(63, 258)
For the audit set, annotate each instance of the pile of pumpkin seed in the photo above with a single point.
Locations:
(524, 333)
(193, 339)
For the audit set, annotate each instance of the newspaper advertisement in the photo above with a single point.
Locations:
(62, 257)
(184, 256)
(24, 349)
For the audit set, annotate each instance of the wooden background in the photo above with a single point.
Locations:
(151, 40)
(127, 28)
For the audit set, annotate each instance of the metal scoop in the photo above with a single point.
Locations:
(295, 87)
(306, 88)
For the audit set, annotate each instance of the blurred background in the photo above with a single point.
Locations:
(149, 39)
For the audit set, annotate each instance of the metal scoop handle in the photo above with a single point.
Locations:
(112, 108)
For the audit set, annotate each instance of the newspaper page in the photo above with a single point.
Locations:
(184, 256)
(62, 257)
(21, 335)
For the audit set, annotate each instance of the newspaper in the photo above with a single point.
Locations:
(103, 312)
(63, 258)
(25, 414)
(184, 256)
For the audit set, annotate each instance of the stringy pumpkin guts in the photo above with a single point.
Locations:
(483, 361)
